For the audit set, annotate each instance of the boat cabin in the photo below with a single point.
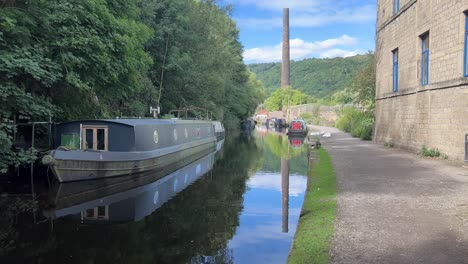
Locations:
(298, 126)
(124, 135)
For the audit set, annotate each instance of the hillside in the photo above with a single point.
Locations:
(316, 77)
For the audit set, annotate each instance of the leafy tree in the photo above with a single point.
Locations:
(77, 59)
(283, 97)
(363, 86)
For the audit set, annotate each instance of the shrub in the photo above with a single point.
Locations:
(313, 119)
(430, 152)
(353, 121)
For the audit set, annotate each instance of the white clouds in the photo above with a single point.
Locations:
(264, 180)
(301, 49)
(333, 53)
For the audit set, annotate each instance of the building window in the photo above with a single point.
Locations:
(396, 6)
(425, 59)
(395, 70)
(465, 70)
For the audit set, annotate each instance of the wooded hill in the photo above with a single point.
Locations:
(318, 78)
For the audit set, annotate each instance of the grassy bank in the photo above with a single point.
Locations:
(316, 225)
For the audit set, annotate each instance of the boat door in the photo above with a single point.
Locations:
(94, 137)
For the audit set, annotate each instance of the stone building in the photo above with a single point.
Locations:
(422, 74)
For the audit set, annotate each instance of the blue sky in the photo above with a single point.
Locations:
(318, 28)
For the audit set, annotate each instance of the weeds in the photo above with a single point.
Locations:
(356, 122)
(431, 152)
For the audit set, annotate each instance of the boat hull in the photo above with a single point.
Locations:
(99, 165)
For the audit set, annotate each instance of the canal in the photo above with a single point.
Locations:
(236, 205)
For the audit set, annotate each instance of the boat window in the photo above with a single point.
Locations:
(90, 213)
(102, 211)
(89, 142)
(95, 138)
(96, 213)
(101, 138)
(175, 134)
(70, 140)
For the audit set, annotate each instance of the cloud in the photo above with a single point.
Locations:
(333, 53)
(264, 180)
(300, 49)
(309, 16)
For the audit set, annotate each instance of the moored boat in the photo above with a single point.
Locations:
(297, 127)
(93, 149)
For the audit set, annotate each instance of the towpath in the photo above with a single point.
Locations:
(396, 207)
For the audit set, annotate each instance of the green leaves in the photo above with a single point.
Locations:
(78, 59)
(284, 96)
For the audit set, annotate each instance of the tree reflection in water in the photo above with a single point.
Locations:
(194, 226)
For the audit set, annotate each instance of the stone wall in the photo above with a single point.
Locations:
(327, 114)
(435, 115)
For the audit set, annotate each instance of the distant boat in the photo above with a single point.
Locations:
(95, 149)
(297, 127)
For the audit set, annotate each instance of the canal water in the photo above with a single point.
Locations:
(236, 205)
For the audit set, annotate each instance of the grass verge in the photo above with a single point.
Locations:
(316, 224)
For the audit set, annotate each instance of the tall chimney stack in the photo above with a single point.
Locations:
(286, 58)
(285, 160)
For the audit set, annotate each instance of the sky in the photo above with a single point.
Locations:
(318, 28)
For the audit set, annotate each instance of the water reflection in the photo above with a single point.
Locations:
(115, 205)
(228, 207)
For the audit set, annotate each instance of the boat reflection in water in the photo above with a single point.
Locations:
(125, 199)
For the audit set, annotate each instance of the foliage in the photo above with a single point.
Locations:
(11, 207)
(363, 86)
(430, 152)
(284, 96)
(356, 122)
(78, 59)
(198, 61)
(26, 107)
(316, 224)
(314, 117)
(315, 77)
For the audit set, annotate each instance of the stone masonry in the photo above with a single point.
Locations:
(327, 114)
(434, 115)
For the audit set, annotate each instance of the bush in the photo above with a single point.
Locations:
(356, 122)
(430, 152)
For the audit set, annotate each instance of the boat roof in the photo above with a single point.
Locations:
(138, 122)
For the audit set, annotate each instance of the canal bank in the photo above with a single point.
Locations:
(395, 207)
(316, 224)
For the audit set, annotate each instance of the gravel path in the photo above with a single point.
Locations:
(395, 207)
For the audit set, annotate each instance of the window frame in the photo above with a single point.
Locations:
(425, 58)
(465, 54)
(396, 6)
(395, 70)
(94, 129)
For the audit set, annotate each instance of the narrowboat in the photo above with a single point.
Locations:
(96, 149)
(281, 122)
(297, 127)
